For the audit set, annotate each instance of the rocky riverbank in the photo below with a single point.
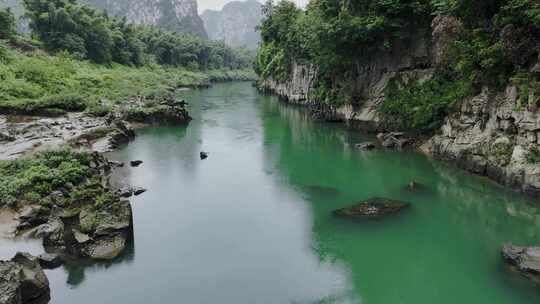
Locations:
(102, 132)
(57, 186)
(494, 134)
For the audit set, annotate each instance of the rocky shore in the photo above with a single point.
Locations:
(21, 134)
(495, 133)
(86, 217)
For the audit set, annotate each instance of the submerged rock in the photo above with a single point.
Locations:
(50, 260)
(135, 163)
(525, 259)
(365, 146)
(372, 208)
(393, 140)
(322, 190)
(22, 281)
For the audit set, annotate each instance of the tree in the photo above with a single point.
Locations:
(7, 24)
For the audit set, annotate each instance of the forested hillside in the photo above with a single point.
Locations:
(462, 75)
(79, 55)
(496, 42)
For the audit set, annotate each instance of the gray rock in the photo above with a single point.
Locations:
(525, 259)
(80, 237)
(106, 248)
(372, 208)
(138, 191)
(26, 277)
(365, 146)
(135, 163)
(50, 260)
(33, 216)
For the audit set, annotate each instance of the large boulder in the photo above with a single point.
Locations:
(372, 208)
(107, 230)
(525, 259)
(22, 281)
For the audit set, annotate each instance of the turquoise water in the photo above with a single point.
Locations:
(253, 223)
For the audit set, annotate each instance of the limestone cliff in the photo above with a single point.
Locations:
(173, 15)
(490, 134)
(235, 24)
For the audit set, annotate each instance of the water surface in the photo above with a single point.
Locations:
(253, 223)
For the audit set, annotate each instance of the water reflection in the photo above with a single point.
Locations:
(449, 240)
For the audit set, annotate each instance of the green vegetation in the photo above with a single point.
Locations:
(421, 105)
(92, 60)
(7, 24)
(37, 83)
(34, 178)
(533, 156)
(498, 42)
(89, 33)
(61, 177)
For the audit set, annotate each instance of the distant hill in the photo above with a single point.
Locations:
(235, 23)
(174, 15)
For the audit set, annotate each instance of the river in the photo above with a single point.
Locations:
(253, 223)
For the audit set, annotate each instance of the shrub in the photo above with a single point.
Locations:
(7, 24)
(421, 105)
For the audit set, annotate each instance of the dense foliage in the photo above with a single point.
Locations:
(33, 178)
(37, 83)
(89, 33)
(7, 24)
(498, 39)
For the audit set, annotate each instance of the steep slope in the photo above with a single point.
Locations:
(173, 15)
(479, 109)
(235, 24)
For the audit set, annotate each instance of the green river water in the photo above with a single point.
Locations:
(253, 224)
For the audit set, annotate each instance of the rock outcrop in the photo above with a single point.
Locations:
(235, 24)
(372, 209)
(96, 229)
(22, 281)
(493, 134)
(408, 59)
(173, 15)
(525, 259)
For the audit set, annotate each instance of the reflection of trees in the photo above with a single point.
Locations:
(457, 218)
(76, 269)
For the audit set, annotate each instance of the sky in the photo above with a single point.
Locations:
(218, 4)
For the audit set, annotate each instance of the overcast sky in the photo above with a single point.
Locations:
(218, 4)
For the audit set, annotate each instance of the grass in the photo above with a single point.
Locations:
(37, 83)
(32, 179)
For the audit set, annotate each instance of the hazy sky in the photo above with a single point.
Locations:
(218, 4)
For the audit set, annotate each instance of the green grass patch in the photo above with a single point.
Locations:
(36, 83)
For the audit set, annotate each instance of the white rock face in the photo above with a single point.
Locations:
(235, 24)
(175, 15)
(489, 134)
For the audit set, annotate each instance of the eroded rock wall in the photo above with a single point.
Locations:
(490, 134)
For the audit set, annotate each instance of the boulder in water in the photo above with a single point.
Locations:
(135, 163)
(372, 208)
(525, 259)
(365, 146)
(22, 281)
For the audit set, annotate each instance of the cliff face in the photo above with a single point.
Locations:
(409, 59)
(235, 23)
(173, 15)
(489, 134)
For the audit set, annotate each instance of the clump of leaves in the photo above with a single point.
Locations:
(33, 178)
(421, 105)
(533, 156)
